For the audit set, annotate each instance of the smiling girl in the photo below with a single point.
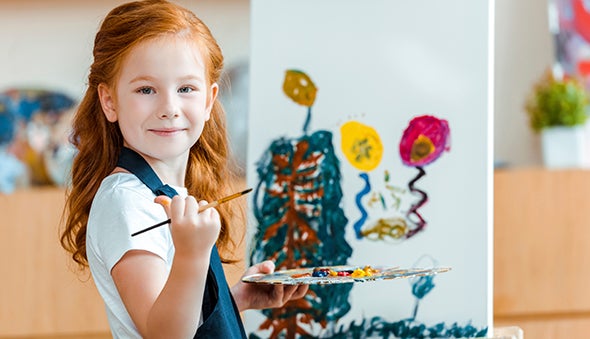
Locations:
(152, 145)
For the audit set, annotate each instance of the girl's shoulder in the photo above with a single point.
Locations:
(124, 182)
(121, 192)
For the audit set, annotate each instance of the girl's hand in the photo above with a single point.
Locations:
(259, 296)
(193, 233)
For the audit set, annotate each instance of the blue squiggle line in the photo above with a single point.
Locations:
(359, 223)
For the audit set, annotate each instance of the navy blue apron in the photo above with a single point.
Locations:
(221, 318)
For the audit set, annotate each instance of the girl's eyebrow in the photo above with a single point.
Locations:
(191, 77)
(141, 78)
(150, 78)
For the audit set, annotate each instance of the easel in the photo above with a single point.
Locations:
(511, 332)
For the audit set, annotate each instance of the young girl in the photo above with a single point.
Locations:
(151, 116)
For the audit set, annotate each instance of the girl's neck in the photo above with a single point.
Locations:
(170, 171)
(172, 175)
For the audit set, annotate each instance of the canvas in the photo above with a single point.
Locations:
(370, 144)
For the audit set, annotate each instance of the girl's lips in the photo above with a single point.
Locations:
(166, 131)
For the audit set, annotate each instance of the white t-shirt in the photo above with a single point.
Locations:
(123, 205)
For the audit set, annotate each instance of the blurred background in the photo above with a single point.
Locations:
(47, 44)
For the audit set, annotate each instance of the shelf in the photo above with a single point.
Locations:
(541, 232)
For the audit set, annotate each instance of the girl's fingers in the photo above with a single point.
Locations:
(266, 267)
(201, 204)
(300, 292)
(180, 208)
(208, 212)
(191, 207)
(164, 201)
(288, 292)
(293, 292)
(177, 208)
(183, 207)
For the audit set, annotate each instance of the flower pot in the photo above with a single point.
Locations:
(564, 147)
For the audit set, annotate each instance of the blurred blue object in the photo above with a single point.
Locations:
(35, 125)
(11, 169)
(7, 120)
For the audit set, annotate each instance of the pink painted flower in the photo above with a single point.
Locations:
(424, 140)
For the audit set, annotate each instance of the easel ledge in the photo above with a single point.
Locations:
(509, 332)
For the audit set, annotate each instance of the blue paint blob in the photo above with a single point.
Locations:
(422, 286)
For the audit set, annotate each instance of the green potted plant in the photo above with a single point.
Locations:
(557, 109)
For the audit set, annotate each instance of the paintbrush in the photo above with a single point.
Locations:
(201, 209)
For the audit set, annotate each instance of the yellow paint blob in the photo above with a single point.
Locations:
(299, 87)
(361, 145)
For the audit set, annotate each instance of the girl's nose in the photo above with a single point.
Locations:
(169, 107)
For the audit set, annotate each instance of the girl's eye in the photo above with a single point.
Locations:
(185, 89)
(145, 90)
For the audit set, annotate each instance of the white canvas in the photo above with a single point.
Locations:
(381, 63)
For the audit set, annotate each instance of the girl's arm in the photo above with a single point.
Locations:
(161, 307)
(170, 307)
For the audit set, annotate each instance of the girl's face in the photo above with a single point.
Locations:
(162, 98)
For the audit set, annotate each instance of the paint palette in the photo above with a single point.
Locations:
(339, 275)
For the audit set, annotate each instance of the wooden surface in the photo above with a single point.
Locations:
(41, 294)
(541, 252)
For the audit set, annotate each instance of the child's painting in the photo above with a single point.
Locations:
(369, 145)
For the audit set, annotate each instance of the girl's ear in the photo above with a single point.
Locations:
(212, 96)
(107, 102)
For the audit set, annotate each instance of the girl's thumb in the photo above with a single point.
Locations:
(164, 201)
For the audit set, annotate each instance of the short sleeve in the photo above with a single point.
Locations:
(121, 209)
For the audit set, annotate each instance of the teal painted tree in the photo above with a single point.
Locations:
(300, 220)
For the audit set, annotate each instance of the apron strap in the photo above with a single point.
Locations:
(136, 164)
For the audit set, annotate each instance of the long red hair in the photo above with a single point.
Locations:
(98, 141)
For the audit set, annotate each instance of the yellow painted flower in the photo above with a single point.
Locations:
(361, 145)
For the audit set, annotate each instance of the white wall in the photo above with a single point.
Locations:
(47, 43)
(524, 50)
